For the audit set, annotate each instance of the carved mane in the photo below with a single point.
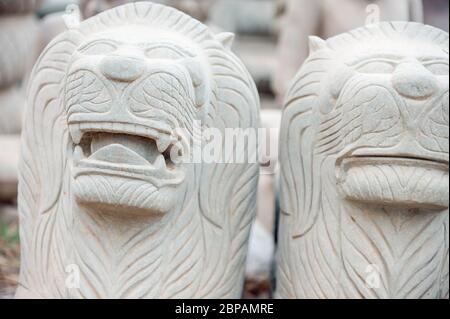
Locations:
(44, 171)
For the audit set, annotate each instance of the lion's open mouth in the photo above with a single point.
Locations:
(125, 149)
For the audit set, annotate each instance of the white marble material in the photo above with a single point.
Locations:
(364, 166)
(98, 194)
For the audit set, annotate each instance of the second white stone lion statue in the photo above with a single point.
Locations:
(364, 167)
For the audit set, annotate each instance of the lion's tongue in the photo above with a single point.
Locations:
(117, 153)
(123, 149)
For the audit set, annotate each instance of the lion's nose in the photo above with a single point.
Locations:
(122, 69)
(413, 80)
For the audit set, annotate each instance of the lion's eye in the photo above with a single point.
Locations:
(99, 48)
(376, 67)
(438, 68)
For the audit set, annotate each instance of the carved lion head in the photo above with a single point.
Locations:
(105, 103)
(373, 101)
(128, 90)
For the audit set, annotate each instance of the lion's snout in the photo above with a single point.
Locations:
(122, 69)
(412, 80)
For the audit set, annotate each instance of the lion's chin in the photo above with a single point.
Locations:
(122, 195)
(390, 181)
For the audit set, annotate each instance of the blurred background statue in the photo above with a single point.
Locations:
(326, 18)
(196, 8)
(18, 34)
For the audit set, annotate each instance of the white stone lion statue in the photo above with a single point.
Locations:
(104, 211)
(364, 167)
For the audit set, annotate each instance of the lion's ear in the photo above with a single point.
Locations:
(72, 17)
(317, 44)
(227, 39)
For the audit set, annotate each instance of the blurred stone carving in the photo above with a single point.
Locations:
(364, 166)
(19, 6)
(271, 121)
(12, 102)
(245, 17)
(17, 37)
(326, 18)
(9, 159)
(253, 22)
(261, 252)
(437, 13)
(50, 27)
(198, 9)
(99, 192)
(262, 241)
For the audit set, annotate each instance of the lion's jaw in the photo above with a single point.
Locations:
(394, 139)
(125, 100)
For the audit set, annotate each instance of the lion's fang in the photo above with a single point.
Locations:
(160, 162)
(163, 143)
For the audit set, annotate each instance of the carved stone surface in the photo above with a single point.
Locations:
(115, 86)
(364, 166)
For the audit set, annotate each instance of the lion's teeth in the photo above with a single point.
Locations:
(163, 143)
(76, 134)
(160, 162)
(77, 154)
